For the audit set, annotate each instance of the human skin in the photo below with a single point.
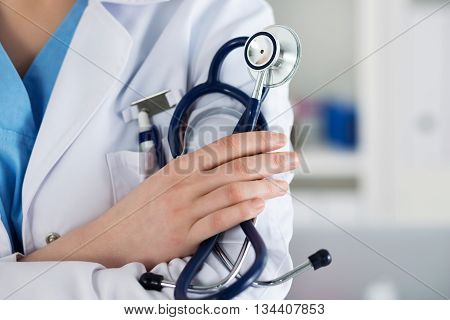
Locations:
(171, 212)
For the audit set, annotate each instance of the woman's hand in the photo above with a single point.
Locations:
(191, 199)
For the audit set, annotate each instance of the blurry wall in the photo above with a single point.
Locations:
(326, 30)
(377, 202)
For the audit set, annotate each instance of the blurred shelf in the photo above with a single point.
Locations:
(328, 163)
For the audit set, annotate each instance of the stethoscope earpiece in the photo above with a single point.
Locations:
(320, 259)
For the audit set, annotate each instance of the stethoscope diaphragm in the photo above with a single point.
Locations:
(276, 51)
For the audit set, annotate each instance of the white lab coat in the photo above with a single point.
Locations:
(85, 157)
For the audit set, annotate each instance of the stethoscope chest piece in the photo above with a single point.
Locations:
(275, 50)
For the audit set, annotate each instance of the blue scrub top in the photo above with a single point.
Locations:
(22, 106)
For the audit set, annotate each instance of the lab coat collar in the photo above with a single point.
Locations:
(95, 60)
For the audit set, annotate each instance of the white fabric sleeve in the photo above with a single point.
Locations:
(71, 280)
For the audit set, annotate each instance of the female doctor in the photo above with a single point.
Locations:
(76, 221)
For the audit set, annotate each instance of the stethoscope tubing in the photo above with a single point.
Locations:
(247, 122)
(320, 259)
(245, 280)
(197, 289)
(305, 266)
(220, 252)
(250, 120)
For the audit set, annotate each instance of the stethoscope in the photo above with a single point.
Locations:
(272, 57)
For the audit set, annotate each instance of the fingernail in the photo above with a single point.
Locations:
(258, 203)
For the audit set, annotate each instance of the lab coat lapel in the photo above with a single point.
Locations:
(97, 55)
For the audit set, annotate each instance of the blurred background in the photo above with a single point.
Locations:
(372, 106)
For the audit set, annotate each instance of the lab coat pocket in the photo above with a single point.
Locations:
(128, 169)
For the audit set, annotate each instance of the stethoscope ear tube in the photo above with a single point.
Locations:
(322, 258)
(245, 281)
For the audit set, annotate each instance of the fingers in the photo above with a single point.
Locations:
(246, 169)
(235, 146)
(225, 219)
(237, 192)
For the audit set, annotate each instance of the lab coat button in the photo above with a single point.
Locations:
(52, 236)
